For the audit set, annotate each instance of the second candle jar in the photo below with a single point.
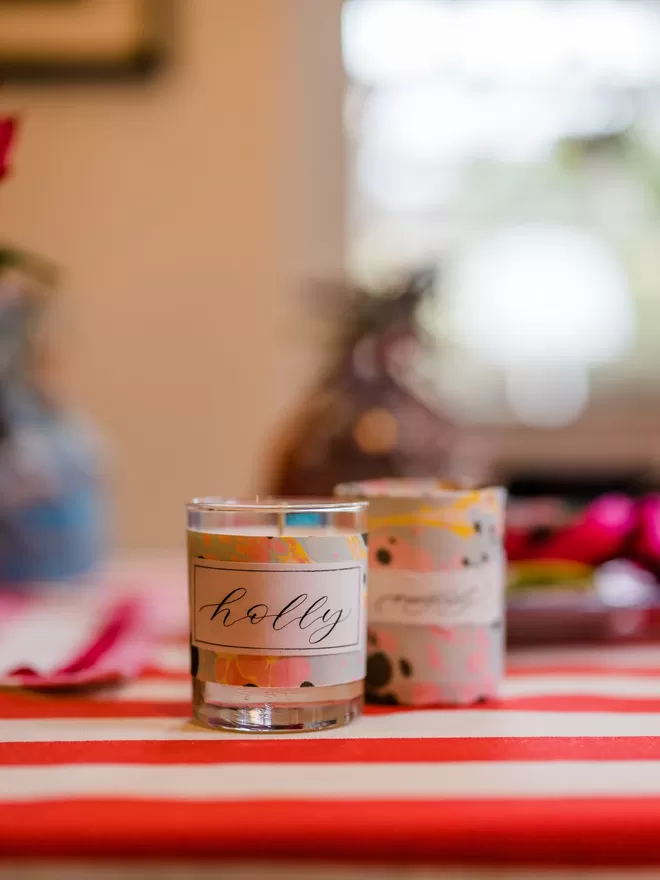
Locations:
(436, 591)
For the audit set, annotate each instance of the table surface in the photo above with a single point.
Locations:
(564, 769)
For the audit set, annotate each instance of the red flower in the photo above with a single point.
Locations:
(8, 126)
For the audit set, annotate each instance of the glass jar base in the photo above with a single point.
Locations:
(275, 710)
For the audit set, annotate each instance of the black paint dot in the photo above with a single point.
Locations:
(405, 667)
(371, 639)
(379, 670)
(249, 685)
(381, 699)
(392, 539)
(194, 660)
(466, 561)
(384, 556)
(306, 684)
(365, 538)
(477, 527)
(364, 578)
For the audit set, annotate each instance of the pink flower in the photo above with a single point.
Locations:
(8, 126)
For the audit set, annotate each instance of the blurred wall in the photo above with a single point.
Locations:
(188, 214)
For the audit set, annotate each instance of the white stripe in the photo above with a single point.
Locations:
(621, 656)
(168, 690)
(427, 724)
(582, 685)
(172, 658)
(427, 781)
(165, 690)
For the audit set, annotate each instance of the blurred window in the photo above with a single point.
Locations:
(515, 144)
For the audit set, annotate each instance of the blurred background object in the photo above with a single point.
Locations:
(503, 141)
(51, 525)
(51, 521)
(583, 572)
(45, 41)
(8, 126)
(189, 211)
(371, 415)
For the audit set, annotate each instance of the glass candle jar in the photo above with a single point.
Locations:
(278, 613)
(436, 591)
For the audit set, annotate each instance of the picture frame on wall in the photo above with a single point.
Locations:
(54, 41)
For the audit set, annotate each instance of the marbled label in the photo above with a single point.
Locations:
(437, 598)
(436, 591)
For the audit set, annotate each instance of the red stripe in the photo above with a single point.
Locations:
(577, 703)
(21, 704)
(545, 703)
(333, 751)
(595, 669)
(171, 674)
(613, 831)
(31, 705)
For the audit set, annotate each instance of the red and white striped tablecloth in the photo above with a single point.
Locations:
(563, 770)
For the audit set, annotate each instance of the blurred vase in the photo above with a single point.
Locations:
(51, 506)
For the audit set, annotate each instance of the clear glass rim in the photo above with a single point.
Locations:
(216, 504)
(422, 488)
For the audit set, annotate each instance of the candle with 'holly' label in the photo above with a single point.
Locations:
(278, 613)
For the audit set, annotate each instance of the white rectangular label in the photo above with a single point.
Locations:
(437, 598)
(300, 610)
